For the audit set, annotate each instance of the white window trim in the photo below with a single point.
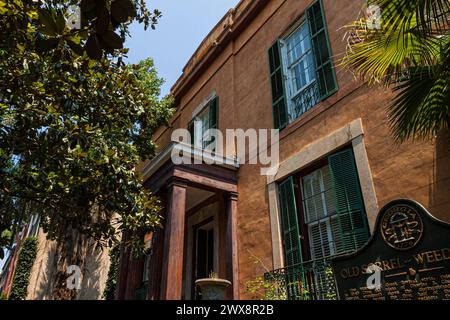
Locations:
(203, 105)
(199, 137)
(352, 133)
(290, 95)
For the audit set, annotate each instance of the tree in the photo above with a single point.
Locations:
(74, 121)
(408, 49)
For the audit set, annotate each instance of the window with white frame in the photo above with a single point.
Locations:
(201, 124)
(320, 213)
(300, 71)
(330, 221)
(201, 138)
(301, 67)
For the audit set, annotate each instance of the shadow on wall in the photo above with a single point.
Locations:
(95, 274)
(43, 274)
(440, 189)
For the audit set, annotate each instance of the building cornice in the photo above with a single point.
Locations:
(228, 28)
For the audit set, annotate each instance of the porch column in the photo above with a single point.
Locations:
(231, 245)
(172, 269)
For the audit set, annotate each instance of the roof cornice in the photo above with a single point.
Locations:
(227, 29)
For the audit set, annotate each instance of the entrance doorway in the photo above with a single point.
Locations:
(203, 253)
(202, 248)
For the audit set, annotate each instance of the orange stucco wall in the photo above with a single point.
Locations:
(239, 75)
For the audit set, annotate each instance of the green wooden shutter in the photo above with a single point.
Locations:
(322, 50)
(214, 114)
(289, 218)
(280, 114)
(352, 219)
(191, 131)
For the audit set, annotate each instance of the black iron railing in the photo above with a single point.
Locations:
(312, 280)
(305, 100)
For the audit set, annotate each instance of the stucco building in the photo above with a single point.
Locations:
(265, 65)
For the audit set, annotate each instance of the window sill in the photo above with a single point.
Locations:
(319, 108)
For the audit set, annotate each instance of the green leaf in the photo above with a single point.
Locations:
(60, 23)
(93, 48)
(122, 10)
(112, 40)
(48, 24)
(87, 5)
(103, 21)
(47, 45)
(75, 47)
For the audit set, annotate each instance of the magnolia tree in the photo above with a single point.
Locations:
(74, 122)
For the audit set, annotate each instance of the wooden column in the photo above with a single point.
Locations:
(231, 245)
(172, 269)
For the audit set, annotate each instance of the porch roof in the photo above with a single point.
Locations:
(220, 175)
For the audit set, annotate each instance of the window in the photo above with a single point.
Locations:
(301, 68)
(200, 132)
(320, 214)
(331, 215)
(204, 120)
(302, 90)
(323, 215)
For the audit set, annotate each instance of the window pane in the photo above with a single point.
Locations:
(320, 239)
(328, 191)
(338, 245)
(320, 213)
(298, 44)
(301, 70)
(326, 235)
(315, 242)
(318, 196)
(202, 125)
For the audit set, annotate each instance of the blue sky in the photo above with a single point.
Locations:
(179, 32)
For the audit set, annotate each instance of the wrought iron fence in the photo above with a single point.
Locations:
(305, 100)
(312, 280)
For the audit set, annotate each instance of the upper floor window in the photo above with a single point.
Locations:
(205, 119)
(300, 72)
(301, 68)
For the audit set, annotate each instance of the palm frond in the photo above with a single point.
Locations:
(410, 51)
(380, 55)
(422, 104)
(432, 16)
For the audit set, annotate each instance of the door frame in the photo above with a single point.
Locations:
(205, 213)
